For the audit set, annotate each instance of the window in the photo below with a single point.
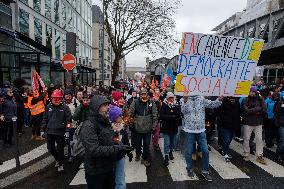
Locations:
(75, 23)
(37, 5)
(79, 6)
(38, 30)
(48, 9)
(24, 22)
(79, 27)
(63, 20)
(48, 36)
(74, 3)
(63, 44)
(25, 2)
(57, 44)
(70, 22)
(56, 11)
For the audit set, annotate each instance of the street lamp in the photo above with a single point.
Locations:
(103, 44)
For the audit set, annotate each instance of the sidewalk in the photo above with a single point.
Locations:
(25, 145)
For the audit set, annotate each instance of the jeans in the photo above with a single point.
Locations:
(58, 151)
(227, 137)
(280, 146)
(120, 174)
(100, 181)
(190, 140)
(258, 138)
(145, 138)
(177, 139)
(26, 116)
(169, 143)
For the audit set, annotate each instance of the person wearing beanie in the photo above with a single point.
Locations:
(254, 109)
(115, 117)
(8, 110)
(144, 111)
(117, 99)
(170, 114)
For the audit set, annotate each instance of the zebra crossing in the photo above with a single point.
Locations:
(136, 172)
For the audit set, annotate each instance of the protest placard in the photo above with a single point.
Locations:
(212, 65)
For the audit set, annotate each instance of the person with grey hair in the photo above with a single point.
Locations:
(170, 115)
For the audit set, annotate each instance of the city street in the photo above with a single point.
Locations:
(238, 174)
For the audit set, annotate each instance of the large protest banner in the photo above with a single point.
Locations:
(212, 65)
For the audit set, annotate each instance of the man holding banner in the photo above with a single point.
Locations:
(211, 65)
(193, 110)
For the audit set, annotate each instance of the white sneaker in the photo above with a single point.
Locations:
(56, 164)
(60, 168)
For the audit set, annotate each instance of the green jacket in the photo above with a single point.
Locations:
(80, 113)
(145, 115)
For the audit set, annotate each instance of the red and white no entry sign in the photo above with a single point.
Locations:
(68, 62)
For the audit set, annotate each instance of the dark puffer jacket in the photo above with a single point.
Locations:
(170, 117)
(8, 108)
(279, 114)
(254, 110)
(229, 114)
(97, 135)
(56, 118)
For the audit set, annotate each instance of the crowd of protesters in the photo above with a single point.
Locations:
(111, 124)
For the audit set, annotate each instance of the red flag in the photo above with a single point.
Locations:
(41, 82)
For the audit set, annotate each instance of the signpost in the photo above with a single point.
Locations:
(68, 62)
(212, 65)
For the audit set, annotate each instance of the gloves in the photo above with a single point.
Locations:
(123, 148)
(130, 156)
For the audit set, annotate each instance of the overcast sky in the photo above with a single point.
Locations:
(199, 16)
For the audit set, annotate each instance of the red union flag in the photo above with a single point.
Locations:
(68, 62)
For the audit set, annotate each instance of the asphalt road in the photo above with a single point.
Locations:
(236, 175)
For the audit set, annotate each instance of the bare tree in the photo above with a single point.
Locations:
(147, 24)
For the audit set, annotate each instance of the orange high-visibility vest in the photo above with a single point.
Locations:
(37, 108)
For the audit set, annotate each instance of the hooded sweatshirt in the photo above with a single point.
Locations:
(97, 135)
(194, 113)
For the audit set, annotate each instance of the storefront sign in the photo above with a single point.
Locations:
(211, 65)
(68, 62)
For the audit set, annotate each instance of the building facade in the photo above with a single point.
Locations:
(97, 33)
(130, 71)
(46, 23)
(261, 19)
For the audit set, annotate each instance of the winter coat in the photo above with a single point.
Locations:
(194, 113)
(254, 111)
(8, 108)
(101, 150)
(229, 114)
(81, 113)
(279, 114)
(145, 114)
(56, 118)
(170, 116)
(269, 105)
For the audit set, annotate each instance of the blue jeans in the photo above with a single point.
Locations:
(280, 146)
(226, 139)
(146, 138)
(120, 174)
(169, 142)
(190, 140)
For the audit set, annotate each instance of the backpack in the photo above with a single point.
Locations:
(78, 148)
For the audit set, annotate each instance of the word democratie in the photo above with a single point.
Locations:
(215, 65)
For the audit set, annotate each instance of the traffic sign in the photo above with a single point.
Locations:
(68, 62)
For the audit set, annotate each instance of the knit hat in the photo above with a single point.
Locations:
(116, 95)
(114, 113)
(143, 91)
(68, 92)
(253, 89)
(170, 95)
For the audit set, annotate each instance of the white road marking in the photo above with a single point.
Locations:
(272, 168)
(177, 167)
(31, 155)
(79, 178)
(224, 169)
(134, 171)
